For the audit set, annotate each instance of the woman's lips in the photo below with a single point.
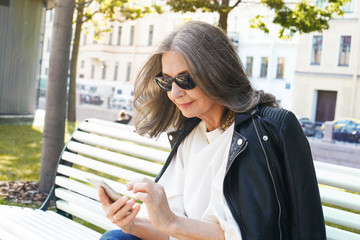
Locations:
(184, 105)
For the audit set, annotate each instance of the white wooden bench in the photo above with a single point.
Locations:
(116, 154)
(98, 148)
(340, 188)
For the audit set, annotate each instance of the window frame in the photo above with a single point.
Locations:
(282, 75)
(347, 53)
(249, 68)
(313, 58)
(266, 68)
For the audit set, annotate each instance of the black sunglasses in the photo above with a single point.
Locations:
(184, 81)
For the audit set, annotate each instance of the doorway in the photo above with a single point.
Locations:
(325, 107)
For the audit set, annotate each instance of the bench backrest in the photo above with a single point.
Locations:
(340, 194)
(106, 150)
(115, 153)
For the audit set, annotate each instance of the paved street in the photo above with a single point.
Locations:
(84, 111)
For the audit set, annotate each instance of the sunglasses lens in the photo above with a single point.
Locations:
(164, 83)
(185, 82)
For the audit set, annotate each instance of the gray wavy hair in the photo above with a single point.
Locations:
(215, 67)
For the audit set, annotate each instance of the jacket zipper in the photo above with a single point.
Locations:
(272, 177)
(228, 168)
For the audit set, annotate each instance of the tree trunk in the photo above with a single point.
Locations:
(223, 20)
(53, 137)
(223, 15)
(71, 111)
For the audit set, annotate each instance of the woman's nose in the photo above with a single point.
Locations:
(176, 91)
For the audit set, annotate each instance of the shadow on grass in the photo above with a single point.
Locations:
(20, 152)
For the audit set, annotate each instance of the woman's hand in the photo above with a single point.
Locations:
(121, 212)
(154, 196)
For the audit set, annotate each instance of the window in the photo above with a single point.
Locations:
(48, 44)
(316, 50)
(132, 31)
(249, 66)
(128, 70)
(103, 70)
(280, 68)
(116, 70)
(119, 36)
(92, 70)
(84, 39)
(82, 64)
(344, 55)
(111, 35)
(151, 35)
(264, 67)
(349, 7)
(51, 13)
(321, 3)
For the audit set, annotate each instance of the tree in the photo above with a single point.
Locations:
(300, 16)
(109, 10)
(54, 127)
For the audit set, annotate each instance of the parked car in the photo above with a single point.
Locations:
(121, 103)
(307, 126)
(341, 122)
(91, 99)
(348, 133)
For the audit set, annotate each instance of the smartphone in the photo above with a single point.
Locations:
(112, 194)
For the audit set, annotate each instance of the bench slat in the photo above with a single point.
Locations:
(86, 215)
(81, 175)
(124, 132)
(4, 234)
(89, 232)
(338, 234)
(122, 146)
(340, 180)
(88, 190)
(80, 200)
(131, 162)
(338, 198)
(38, 224)
(337, 168)
(340, 217)
(71, 228)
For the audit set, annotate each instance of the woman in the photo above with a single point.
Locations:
(240, 168)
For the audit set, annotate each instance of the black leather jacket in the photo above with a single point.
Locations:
(270, 183)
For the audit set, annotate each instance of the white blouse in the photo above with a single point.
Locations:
(194, 179)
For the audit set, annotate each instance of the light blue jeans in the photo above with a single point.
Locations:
(118, 235)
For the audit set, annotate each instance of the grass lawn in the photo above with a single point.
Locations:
(20, 156)
(20, 151)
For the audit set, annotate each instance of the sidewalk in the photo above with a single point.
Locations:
(39, 117)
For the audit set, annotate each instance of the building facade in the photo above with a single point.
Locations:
(326, 83)
(269, 62)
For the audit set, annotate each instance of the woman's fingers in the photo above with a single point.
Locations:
(132, 184)
(103, 197)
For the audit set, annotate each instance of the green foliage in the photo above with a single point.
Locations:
(257, 23)
(204, 5)
(297, 16)
(98, 13)
(303, 17)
